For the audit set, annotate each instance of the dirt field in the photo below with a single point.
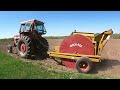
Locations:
(110, 65)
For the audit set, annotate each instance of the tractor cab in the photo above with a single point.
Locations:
(32, 26)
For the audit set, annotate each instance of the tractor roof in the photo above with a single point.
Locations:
(33, 20)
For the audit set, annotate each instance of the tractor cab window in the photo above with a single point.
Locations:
(27, 26)
(22, 27)
(40, 28)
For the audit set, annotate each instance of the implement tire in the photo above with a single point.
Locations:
(84, 65)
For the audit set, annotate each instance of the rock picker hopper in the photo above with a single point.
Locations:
(79, 51)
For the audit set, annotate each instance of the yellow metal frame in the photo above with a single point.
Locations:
(57, 54)
(93, 58)
(101, 40)
(91, 36)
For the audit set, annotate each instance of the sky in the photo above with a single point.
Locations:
(61, 23)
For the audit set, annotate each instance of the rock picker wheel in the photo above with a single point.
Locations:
(23, 47)
(84, 65)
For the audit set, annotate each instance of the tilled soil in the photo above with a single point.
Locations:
(109, 67)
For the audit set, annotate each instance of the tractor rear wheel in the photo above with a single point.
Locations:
(24, 47)
(44, 48)
(45, 45)
(84, 65)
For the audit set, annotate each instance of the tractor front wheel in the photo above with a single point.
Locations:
(84, 65)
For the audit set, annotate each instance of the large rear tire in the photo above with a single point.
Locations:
(44, 48)
(45, 45)
(24, 47)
